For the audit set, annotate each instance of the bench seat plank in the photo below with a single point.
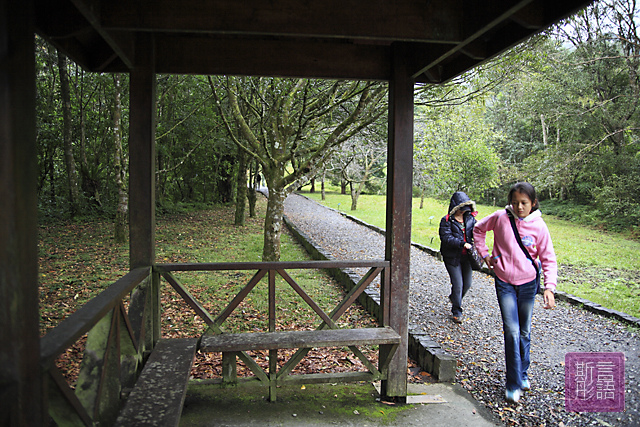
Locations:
(298, 339)
(159, 393)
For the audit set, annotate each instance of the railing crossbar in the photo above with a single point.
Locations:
(334, 316)
(240, 297)
(328, 321)
(306, 298)
(188, 298)
(82, 320)
(275, 265)
(213, 324)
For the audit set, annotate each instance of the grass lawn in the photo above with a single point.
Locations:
(600, 266)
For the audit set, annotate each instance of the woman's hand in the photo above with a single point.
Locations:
(490, 261)
(549, 299)
(468, 246)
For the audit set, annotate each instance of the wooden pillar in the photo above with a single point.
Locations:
(21, 395)
(142, 152)
(398, 237)
(142, 157)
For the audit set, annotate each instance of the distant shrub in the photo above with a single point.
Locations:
(591, 215)
(618, 200)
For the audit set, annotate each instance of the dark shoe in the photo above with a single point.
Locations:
(456, 319)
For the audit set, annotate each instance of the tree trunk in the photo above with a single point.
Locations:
(343, 187)
(254, 178)
(322, 185)
(224, 178)
(89, 184)
(273, 223)
(354, 196)
(118, 163)
(252, 198)
(356, 192)
(313, 186)
(72, 176)
(241, 191)
(421, 198)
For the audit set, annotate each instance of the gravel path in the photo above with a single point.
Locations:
(477, 343)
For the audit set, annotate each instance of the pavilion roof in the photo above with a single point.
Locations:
(348, 39)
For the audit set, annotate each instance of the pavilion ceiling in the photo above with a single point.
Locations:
(295, 38)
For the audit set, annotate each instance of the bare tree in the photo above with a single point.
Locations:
(359, 161)
(290, 126)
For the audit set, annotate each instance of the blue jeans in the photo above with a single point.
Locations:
(516, 306)
(460, 276)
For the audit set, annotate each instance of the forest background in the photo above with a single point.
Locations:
(560, 111)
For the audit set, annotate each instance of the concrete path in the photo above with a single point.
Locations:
(331, 405)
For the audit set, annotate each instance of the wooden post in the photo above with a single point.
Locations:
(142, 152)
(273, 354)
(21, 393)
(142, 155)
(398, 237)
(229, 367)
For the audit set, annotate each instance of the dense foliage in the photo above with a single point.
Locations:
(560, 111)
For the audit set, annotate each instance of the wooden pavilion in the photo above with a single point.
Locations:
(403, 42)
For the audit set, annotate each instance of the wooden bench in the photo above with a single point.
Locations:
(232, 344)
(159, 393)
(299, 339)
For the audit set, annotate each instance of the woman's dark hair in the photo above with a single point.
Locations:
(525, 188)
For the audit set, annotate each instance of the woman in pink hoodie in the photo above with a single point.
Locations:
(517, 278)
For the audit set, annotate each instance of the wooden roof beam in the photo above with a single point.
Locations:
(400, 20)
(504, 31)
(72, 26)
(252, 56)
(121, 43)
(490, 15)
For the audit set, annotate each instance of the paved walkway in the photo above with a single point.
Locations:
(331, 405)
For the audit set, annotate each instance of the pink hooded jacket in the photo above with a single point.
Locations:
(512, 264)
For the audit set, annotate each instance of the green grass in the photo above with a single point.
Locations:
(77, 261)
(579, 245)
(597, 265)
(205, 237)
(609, 292)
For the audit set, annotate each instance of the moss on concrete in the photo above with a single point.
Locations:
(315, 404)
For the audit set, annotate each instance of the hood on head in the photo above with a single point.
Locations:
(460, 200)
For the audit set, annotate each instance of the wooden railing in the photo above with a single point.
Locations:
(235, 346)
(119, 341)
(114, 353)
(377, 267)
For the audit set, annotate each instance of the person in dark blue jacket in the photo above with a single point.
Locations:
(456, 237)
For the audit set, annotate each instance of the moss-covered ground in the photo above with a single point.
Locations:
(314, 404)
